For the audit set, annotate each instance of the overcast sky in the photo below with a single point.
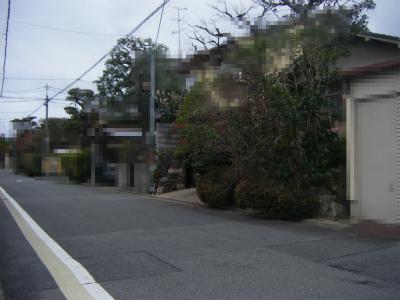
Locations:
(37, 56)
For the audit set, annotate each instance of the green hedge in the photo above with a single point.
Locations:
(76, 165)
(274, 201)
(30, 164)
(216, 187)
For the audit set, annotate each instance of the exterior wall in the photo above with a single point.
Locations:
(7, 161)
(368, 53)
(373, 140)
(142, 177)
(166, 136)
(51, 165)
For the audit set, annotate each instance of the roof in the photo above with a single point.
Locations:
(376, 67)
(215, 56)
(380, 37)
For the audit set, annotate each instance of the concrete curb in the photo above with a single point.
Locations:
(169, 199)
(339, 225)
(156, 197)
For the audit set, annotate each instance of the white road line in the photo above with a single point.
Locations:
(72, 278)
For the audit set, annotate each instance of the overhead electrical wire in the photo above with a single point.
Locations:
(159, 23)
(14, 112)
(26, 98)
(18, 101)
(66, 30)
(26, 90)
(79, 78)
(37, 109)
(105, 55)
(43, 79)
(5, 48)
(23, 92)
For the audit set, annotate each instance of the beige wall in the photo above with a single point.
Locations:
(364, 53)
(373, 140)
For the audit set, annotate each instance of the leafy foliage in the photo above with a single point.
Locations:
(28, 119)
(29, 164)
(282, 130)
(76, 165)
(216, 187)
(77, 122)
(116, 80)
(275, 201)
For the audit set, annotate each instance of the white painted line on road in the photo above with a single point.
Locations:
(72, 278)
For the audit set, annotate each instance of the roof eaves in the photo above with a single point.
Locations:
(380, 37)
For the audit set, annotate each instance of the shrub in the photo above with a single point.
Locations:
(274, 201)
(216, 187)
(76, 166)
(30, 164)
(255, 195)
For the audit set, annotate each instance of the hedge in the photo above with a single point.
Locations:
(30, 164)
(216, 187)
(275, 201)
(76, 165)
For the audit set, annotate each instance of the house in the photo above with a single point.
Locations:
(370, 100)
(372, 96)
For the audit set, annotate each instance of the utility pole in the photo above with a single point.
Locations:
(179, 20)
(47, 137)
(152, 117)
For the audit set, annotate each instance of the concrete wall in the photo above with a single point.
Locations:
(142, 177)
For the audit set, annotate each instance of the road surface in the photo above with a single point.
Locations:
(138, 247)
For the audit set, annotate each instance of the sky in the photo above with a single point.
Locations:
(37, 56)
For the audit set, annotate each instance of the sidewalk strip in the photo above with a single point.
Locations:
(74, 281)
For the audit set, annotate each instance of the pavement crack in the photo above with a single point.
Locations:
(352, 254)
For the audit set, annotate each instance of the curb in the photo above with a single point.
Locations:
(156, 197)
(329, 224)
(168, 199)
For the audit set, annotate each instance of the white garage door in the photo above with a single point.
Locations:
(376, 159)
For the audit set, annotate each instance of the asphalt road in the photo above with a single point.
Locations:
(139, 247)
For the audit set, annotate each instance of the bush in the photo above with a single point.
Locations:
(216, 187)
(255, 195)
(30, 164)
(76, 166)
(274, 201)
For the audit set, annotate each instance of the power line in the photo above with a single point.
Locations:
(18, 101)
(24, 98)
(37, 109)
(5, 48)
(25, 91)
(159, 23)
(14, 112)
(66, 30)
(104, 56)
(42, 79)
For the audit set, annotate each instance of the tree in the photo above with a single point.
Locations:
(77, 123)
(283, 130)
(28, 119)
(116, 80)
(78, 97)
(282, 8)
(206, 36)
